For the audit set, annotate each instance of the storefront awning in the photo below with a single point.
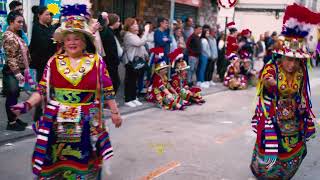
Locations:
(195, 3)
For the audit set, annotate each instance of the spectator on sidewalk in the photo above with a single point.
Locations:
(222, 63)
(150, 36)
(178, 35)
(109, 43)
(18, 59)
(41, 46)
(188, 28)
(194, 52)
(174, 43)
(213, 58)
(162, 36)
(203, 61)
(18, 6)
(260, 53)
(134, 48)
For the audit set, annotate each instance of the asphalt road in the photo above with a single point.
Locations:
(209, 142)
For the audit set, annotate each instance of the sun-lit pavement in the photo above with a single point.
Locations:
(209, 142)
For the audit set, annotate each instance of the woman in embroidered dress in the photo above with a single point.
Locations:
(72, 141)
(283, 117)
(18, 59)
(161, 92)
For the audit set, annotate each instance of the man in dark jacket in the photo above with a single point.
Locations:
(109, 43)
(194, 51)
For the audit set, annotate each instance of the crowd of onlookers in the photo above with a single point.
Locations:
(124, 41)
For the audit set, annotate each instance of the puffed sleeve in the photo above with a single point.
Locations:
(108, 90)
(42, 86)
(268, 72)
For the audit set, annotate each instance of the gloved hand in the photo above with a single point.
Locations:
(19, 77)
(21, 108)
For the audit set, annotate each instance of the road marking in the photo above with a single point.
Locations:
(228, 136)
(160, 148)
(161, 170)
(226, 122)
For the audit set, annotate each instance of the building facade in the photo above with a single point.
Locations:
(261, 16)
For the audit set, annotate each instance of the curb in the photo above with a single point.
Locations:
(29, 132)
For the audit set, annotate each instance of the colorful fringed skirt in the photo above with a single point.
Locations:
(69, 146)
(291, 152)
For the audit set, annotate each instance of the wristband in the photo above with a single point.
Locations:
(114, 112)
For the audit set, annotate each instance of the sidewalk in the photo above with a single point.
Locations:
(11, 136)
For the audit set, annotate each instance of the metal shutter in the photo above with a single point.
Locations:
(183, 11)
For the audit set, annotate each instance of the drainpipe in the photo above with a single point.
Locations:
(172, 14)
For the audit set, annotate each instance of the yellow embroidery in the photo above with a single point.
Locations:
(74, 76)
(68, 151)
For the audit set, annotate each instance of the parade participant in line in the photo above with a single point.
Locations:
(18, 59)
(161, 92)
(72, 141)
(232, 46)
(179, 80)
(233, 78)
(283, 119)
(248, 45)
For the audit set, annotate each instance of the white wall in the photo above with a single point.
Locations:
(258, 22)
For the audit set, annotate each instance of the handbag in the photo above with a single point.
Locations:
(138, 63)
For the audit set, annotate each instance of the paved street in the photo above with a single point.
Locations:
(209, 142)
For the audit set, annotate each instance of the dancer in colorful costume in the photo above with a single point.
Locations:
(179, 79)
(161, 92)
(72, 140)
(283, 118)
(233, 78)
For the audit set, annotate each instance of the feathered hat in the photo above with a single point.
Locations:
(74, 18)
(175, 55)
(161, 65)
(232, 57)
(245, 56)
(245, 32)
(231, 26)
(156, 54)
(296, 26)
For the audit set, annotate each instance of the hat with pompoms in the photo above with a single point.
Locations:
(175, 55)
(296, 26)
(74, 18)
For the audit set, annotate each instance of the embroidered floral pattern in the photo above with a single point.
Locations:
(74, 76)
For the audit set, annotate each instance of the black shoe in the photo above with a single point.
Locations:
(21, 123)
(15, 127)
